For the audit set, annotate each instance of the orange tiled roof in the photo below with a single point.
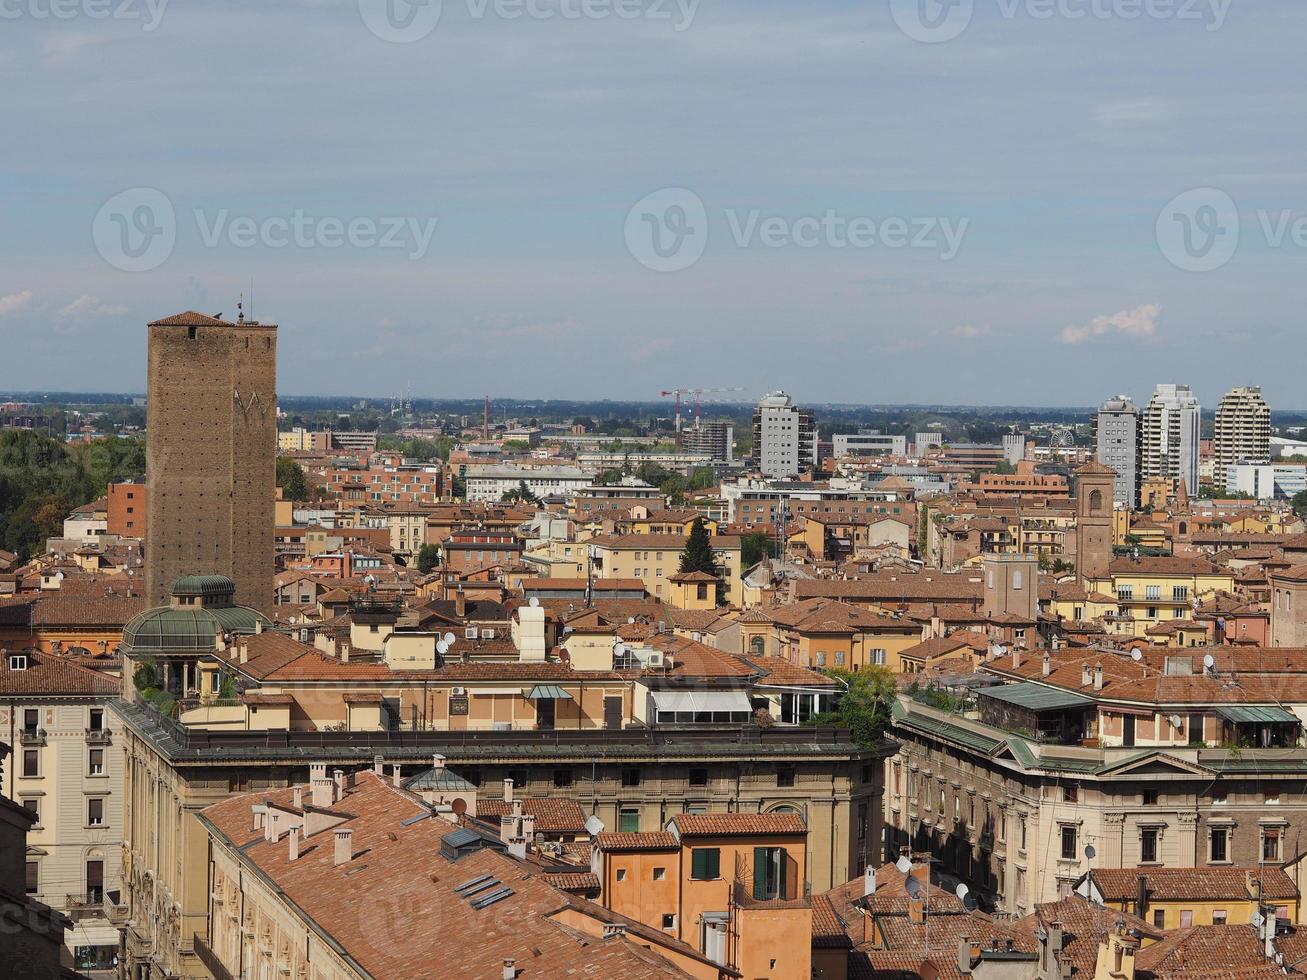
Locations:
(1193, 884)
(552, 816)
(737, 824)
(656, 840)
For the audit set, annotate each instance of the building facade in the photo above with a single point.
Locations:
(211, 453)
(1169, 437)
(1242, 433)
(784, 437)
(1117, 444)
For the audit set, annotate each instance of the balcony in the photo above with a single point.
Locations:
(32, 736)
(84, 905)
(210, 959)
(97, 736)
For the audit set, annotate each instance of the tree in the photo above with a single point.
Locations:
(1300, 503)
(290, 477)
(521, 494)
(865, 705)
(428, 558)
(698, 554)
(755, 546)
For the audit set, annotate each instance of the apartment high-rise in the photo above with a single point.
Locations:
(211, 450)
(1243, 431)
(1116, 438)
(1169, 436)
(714, 439)
(784, 437)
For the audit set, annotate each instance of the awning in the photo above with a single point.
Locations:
(91, 934)
(1247, 714)
(697, 701)
(548, 692)
(1036, 697)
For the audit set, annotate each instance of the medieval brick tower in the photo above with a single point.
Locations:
(1094, 483)
(211, 444)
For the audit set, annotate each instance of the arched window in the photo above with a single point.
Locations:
(1095, 501)
(758, 646)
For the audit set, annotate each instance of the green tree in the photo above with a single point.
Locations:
(428, 558)
(290, 477)
(1300, 503)
(755, 546)
(698, 554)
(521, 494)
(864, 706)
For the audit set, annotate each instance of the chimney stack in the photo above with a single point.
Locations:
(338, 777)
(438, 763)
(517, 808)
(1086, 676)
(510, 969)
(869, 881)
(1048, 665)
(964, 955)
(378, 764)
(529, 827)
(1098, 677)
(1141, 896)
(394, 775)
(294, 843)
(1016, 657)
(508, 791)
(297, 798)
(460, 603)
(322, 793)
(344, 845)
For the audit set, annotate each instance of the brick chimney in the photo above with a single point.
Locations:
(394, 775)
(529, 827)
(517, 808)
(297, 798)
(294, 843)
(344, 845)
(508, 791)
(460, 603)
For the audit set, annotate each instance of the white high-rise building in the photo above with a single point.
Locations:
(1116, 438)
(784, 437)
(1243, 431)
(1169, 436)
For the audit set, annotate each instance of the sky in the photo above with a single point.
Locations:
(1036, 202)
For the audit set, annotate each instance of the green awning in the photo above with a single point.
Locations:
(1248, 714)
(548, 692)
(1036, 697)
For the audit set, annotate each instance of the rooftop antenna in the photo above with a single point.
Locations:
(240, 309)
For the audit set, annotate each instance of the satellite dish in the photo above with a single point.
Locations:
(449, 639)
(1136, 655)
(913, 887)
(1209, 661)
(441, 647)
(534, 603)
(903, 864)
(459, 806)
(1090, 852)
(567, 629)
(620, 650)
(961, 891)
(630, 620)
(1176, 721)
(1255, 919)
(594, 825)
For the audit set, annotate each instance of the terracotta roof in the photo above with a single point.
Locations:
(1085, 924)
(47, 674)
(893, 588)
(828, 929)
(1164, 565)
(274, 656)
(737, 824)
(74, 607)
(552, 816)
(777, 670)
(1193, 884)
(190, 319)
(1207, 950)
(826, 615)
(656, 840)
(940, 646)
(573, 881)
(394, 907)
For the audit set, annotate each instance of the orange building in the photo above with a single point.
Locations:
(126, 509)
(720, 882)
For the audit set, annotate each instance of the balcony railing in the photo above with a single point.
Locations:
(97, 736)
(84, 905)
(210, 959)
(32, 736)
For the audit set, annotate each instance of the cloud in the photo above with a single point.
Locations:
(969, 331)
(91, 306)
(1139, 322)
(14, 302)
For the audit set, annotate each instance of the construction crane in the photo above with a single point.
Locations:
(698, 394)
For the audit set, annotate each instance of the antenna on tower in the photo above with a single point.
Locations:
(240, 309)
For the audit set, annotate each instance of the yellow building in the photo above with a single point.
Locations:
(655, 558)
(1152, 589)
(823, 632)
(1177, 898)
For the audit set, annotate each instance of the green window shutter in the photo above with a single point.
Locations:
(714, 863)
(760, 873)
(698, 861)
(781, 891)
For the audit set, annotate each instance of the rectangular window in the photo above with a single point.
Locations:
(628, 820)
(1149, 797)
(562, 778)
(659, 874)
(30, 716)
(33, 805)
(31, 762)
(669, 920)
(785, 776)
(630, 777)
(1219, 842)
(1218, 917)
(1159, 918)
(95, 812)
(96, 763)
(1069, 844)
(1270, 845)
(698, 777)
(769, 873)
(1070, 793)
(705, 863)
(1148, 847)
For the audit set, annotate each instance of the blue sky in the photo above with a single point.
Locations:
(1050, 145)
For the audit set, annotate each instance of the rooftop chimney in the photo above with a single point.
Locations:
(1141, 896)
(438, 763)
(323, 793)
(344, 845)
(517, 808)
(529, 827)
(378, 763)
(510, 969)
(394, 775)
(297, 798)
(869, 881)
(1016, 657)
(1098, 677)
(460, 603)
(1086, 676)
(338, 777)
(964, 955)
(1048, 665)
(294, 843)
(508, 791)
